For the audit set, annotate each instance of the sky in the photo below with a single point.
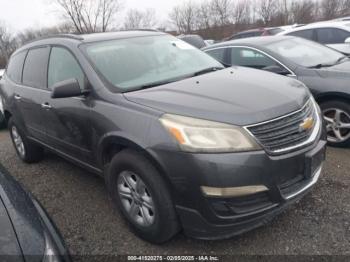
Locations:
(22, 14)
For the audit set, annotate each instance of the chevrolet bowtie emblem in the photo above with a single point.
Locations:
(307, 124)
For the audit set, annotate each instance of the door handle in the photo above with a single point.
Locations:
(18, 97)
(46, 106)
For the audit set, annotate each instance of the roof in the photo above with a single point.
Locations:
(332, 23)
(251, 41)
(88, 38)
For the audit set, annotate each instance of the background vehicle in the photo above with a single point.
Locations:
(261, 32)
(335, 34)
(160, 121)
(26, 231)
(325, 71)
(194, 40)
(2, 117)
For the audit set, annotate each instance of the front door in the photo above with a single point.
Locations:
(67, 119)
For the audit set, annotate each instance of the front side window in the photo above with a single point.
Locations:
(64, 66)
(35, 67)
(15, 67)
(307, 34)
(251, 58)
(305, 53)
(133, 63)
(331, 35)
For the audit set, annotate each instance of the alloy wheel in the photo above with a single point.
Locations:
(338, 125)
(136, 199)
(17, 139)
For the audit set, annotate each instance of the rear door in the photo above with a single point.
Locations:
(29, 95)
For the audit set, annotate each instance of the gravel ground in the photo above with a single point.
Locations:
(78, 203)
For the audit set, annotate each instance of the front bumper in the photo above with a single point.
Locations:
(288, 177)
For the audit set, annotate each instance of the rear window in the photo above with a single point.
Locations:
(35, 67)
(15, 66)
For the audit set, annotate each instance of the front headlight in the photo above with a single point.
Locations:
(197, 135)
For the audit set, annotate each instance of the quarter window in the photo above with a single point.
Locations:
(35, 67)
(64, 66)
(15, 67)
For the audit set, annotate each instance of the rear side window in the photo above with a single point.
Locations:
(15, 66)
(64, 66)
(331, 35)
(218, 54)
(35, 67)
(307, 34)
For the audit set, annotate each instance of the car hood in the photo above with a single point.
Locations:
(339, 70)
(23, 215)
(236, 95)
(8, 241)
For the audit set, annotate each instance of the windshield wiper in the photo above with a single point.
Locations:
(321, 65)
(159, 83)
(207, 70)
(341, 59)
(329, 65)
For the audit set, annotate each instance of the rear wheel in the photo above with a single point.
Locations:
(26, 150)
(337, 117)
(142, 195)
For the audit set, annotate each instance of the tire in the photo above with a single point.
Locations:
(165, 222)
(28, 151)
(338, 128)
(2, 121)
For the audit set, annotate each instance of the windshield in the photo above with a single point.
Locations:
(304, 52)
(134, 63)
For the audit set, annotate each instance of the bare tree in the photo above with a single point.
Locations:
(221, 11)
(303, 11)
(241, 12)
(140, 19)
(89, 16)
(266, 9)
(184, 17)
(8, 43)
(204, 15)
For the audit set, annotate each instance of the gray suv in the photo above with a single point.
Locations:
(182, 143)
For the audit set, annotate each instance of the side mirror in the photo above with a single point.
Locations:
(276, 69)
(347, 40)
(66, 88)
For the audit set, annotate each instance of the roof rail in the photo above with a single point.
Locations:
(141, 29)
(71, 36)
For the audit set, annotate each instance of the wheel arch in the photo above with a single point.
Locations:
(329, 96)
(114, 143)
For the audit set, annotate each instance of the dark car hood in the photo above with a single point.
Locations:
(24, 217)
(236, 95)
(338, 71)
(8, 240)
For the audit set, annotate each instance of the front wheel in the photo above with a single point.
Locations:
(337, 117)
(142, 195)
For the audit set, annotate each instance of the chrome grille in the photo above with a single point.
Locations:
(285, 133)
